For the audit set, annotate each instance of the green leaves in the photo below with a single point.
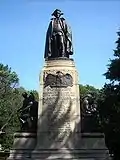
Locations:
(109, 102)
(86, 89)
(10, 100)
(113, 73)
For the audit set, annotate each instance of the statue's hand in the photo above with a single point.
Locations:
(71, 53)
(49, 54)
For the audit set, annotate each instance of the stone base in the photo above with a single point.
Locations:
(71, 154)
(63, 154)
(90, 147)
(24, 144)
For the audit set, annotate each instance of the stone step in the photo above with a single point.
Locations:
(77, 154)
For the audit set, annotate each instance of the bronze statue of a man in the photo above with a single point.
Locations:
(58, 37)
(27, 114)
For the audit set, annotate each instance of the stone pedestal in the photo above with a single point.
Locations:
(59, 134)
(92, 146)
(24, 144)
(59, 109)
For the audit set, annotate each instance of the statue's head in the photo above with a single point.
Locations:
(31, 97)
(87, 96)
(24, 95)
(57, 13)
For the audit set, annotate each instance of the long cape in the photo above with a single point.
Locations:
(68, 37)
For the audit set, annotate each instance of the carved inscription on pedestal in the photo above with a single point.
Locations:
(59, 122)
(57, 101)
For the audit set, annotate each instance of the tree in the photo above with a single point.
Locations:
(109, 103)
(10, 101)
(113, 73)
(86, 89)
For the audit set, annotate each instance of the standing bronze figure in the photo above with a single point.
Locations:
(58, 37)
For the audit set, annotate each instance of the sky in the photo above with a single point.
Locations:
(23, 26)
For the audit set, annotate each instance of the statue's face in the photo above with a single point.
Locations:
(57, 14)
(24, 95)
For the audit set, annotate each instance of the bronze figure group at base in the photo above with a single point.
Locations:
(27, 114)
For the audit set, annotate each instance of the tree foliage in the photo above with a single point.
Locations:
(10, 101)
(109, 103)
(113, 72)
(87, 89)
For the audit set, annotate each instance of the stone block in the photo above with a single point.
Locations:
(24, 144)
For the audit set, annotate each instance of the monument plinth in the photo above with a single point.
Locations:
(59, 103)
(59, 106)
(24, 144)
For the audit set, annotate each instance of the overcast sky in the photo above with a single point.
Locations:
(23, 25)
